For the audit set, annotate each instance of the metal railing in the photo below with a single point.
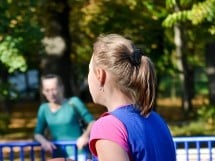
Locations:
(30, 150)
(187, 149)
(200, 148)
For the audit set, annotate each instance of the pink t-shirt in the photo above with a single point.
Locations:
(108, 127)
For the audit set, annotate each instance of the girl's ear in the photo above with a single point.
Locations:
(101, 76)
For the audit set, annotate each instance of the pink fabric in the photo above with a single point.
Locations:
(110, 128)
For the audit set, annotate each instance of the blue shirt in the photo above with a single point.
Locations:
(149, 138)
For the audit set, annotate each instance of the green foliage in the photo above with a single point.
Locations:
(202, 11)
(207, 113)
(203, 125)
(192, 128)
(170, 86)
(11, 56)
(141, 20)
(19, 34)
(199, 13)
(8, 92)
(20, 38)
(176, 17)
(173, 3)
(4, 122)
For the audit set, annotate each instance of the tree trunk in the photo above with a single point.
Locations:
(5, 102)
(210, 61)
(186, 74)
(57, 42)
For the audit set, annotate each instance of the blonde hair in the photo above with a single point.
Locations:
(133, 73)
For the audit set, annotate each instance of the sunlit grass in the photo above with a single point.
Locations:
(193, 128)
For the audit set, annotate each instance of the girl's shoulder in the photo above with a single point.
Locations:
(108, 123)
(74, 99)
(108, 127)
(44, 106)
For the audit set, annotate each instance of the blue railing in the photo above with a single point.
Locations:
(195, 148)
(187, 149)
(30, 150)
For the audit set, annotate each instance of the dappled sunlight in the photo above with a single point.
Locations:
(22, 122)
(23, 117)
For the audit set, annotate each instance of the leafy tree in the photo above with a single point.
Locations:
(199, 13)
(54, 18)
(74, 25)
(19, 34)
(185, 38)
(139, 20)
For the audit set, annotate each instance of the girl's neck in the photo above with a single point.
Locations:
(121, 100)
(54, 106)
(60, 101)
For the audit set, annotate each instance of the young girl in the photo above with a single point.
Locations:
(123, 79)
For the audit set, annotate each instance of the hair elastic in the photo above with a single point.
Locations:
(136, 57)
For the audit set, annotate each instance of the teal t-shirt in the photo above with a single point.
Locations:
(63, 124)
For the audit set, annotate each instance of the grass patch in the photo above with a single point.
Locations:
(192, 128)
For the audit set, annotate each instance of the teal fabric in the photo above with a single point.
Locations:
(63, 124)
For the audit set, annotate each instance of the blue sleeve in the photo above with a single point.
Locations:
(81, 109)
(41, 120)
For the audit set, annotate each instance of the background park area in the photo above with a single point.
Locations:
(52, 36)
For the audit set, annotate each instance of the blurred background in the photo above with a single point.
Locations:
(43, 36)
